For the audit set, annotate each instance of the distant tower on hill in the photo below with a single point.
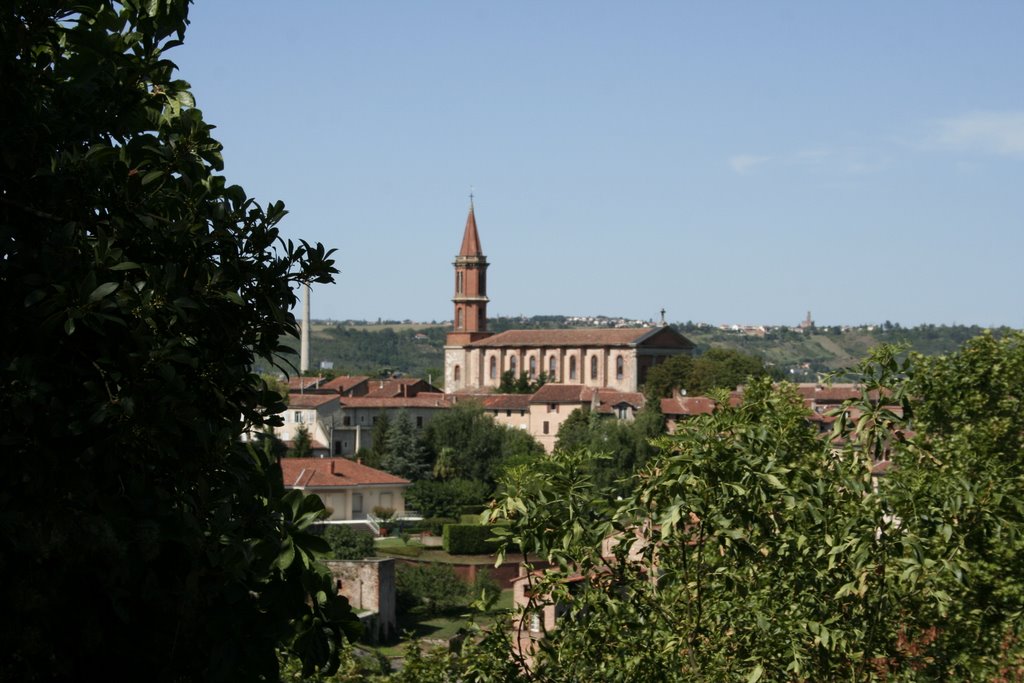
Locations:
(807, 323)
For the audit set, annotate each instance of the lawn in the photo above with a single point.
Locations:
(444, 626)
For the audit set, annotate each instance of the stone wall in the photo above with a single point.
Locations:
(369, 586)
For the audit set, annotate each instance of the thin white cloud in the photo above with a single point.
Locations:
(992, 132)
(743, 163)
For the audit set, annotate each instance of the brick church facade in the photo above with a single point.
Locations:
(475, 359)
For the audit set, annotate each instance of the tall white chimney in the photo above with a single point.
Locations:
(304, 334)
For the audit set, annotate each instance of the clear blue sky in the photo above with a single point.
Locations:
(728, 161)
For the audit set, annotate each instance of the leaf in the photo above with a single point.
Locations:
(755, 674)
(126, 265)
(103, 290)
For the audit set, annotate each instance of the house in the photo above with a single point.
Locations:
(318, 413)
(349, 489)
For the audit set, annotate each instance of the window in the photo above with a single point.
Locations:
(552, 367)
(622, 412)
(457, 373)
(522, 413)
(494, 368)
(298, 417)
(547, 427)
(374, 420)
(619, 364)
(552, 407)
(458, 282)
(458, 318)
(347, 421)
(572, 367)
(533, 366)
(357, 503)
(593, 367)
(419, 421)
(337, 448)
(385, 500)
(535, 622)
(508, 413)
(512, 366)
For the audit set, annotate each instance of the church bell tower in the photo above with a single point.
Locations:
(470, 321)
(461, 366)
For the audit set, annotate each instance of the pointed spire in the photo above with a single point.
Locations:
(470, 239)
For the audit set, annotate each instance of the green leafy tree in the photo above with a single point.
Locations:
(723, 369)
(302, 445)
(143, 288)
(666, 377)
(478, 446)
(752, 549)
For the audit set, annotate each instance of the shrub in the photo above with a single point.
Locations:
(468, 539)
(428, 588)
(348, 543)
(446, 498)
(434, 525)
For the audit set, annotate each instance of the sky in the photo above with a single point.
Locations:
(731, 162)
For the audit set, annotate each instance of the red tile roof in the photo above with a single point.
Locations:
(506, 401)
(687, 405)
(405, 386)
(580, 337)
(424, 400)
(562, 393)
(344, 383)
(333, 473)
(297, 383)
(297, 400)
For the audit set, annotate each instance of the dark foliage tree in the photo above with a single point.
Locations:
(302, 445)
(139, 537)
(375, 455)
(403, 454)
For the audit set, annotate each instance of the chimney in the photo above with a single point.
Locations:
(304, 332)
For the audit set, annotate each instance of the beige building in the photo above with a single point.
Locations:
(600, 358)
(350, 490)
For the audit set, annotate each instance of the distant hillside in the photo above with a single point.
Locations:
(418, 349)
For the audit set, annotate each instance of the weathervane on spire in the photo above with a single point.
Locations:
(471, 195)
(663, 316)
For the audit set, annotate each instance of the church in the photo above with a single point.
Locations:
(474, 359)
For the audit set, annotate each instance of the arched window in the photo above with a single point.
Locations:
(552, 368)
(457, 373)
(593, 367)
(494, 368)
(572, 367)
(458, 282)
(619, 367)
(533, 367)
(512, 367)
(458, 318)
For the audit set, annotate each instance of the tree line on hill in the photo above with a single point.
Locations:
(797, 356)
